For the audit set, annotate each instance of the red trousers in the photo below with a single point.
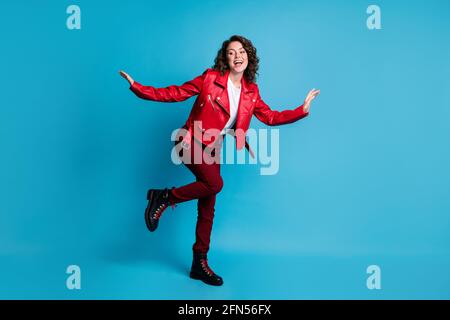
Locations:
(208, 183)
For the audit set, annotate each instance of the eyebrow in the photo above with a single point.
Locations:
(235, 50)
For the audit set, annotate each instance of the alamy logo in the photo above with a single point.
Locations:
(258, 141)
(74, 279)
(374, 279)
(74, 20)
(374, 20)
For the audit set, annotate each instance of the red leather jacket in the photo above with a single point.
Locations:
(212, 106)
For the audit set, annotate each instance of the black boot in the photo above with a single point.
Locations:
(158, 201)
(201, 271)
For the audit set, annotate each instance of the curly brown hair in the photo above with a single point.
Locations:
(221, 64)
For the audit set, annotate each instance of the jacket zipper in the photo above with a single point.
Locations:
(220, 104)
(212, 103)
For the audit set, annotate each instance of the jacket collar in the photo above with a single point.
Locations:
(222, 80)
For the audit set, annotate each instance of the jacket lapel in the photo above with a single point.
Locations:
(222, 98)
(244, 101)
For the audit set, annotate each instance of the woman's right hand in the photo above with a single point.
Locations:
(126, 76)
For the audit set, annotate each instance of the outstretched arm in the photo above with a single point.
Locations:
(171, 93)
(273, 118)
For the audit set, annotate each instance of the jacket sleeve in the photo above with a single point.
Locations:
(171, 93)
(273, 118)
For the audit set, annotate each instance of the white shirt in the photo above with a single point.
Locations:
(234, 95)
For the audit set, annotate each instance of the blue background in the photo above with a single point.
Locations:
(363, 180)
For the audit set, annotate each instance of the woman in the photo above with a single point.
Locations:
(227, 98)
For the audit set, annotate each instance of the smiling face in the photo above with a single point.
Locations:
(236, 57)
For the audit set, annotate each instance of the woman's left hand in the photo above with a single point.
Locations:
(310, 97)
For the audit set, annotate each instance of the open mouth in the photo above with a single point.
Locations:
(238, 63)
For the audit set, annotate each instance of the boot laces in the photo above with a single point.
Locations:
(163, 206)
(206, 268)
(160, 210)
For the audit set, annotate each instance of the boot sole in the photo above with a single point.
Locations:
(196, 277)
(148, 223)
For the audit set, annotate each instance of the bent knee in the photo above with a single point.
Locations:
(216, 185)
